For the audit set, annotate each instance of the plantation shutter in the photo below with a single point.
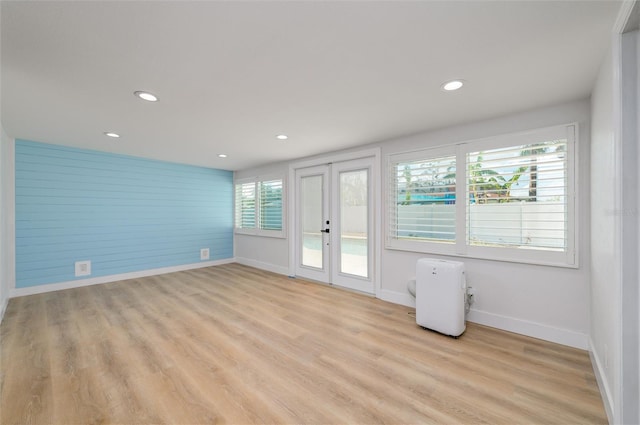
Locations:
(422, 204)
(271, 205)
(517, 196)
(245, 205)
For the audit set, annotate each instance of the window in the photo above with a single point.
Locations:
(246, 206)
(258, 207)
(506, 198)
(270, 205)
(424, 199)
(517, 196)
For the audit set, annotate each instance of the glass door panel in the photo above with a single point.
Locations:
(354, 223)
(311, 218)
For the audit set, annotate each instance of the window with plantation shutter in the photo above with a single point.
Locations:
(424, 199)
(517, 196)
(271, 205)
(259, 207)
(509, 198)
(246, 206)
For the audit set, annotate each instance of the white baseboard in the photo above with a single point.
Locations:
(262, 265)
(533, 329)
(31, 290)
(397, 297)
(603, 383)
(506, 323)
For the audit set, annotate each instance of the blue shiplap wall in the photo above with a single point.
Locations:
(123, 213)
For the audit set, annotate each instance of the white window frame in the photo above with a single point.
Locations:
(567, 258)
(256, 231)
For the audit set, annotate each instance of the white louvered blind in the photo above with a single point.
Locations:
(245, 205)
(517, 196)
(270, 205)
(422, 204)
(259, 207)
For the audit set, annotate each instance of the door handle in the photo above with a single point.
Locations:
(324, 231)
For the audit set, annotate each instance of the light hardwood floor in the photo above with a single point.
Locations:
(232, 344)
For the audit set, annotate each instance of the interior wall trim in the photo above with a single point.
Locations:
(601, 378)
(39, 289)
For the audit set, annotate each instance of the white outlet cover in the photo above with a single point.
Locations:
(83, 268)
(204, 254)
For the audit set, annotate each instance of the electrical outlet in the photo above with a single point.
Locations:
(83, 268)
(204, 254)
(471, 295)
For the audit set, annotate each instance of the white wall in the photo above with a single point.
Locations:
(638, 189)
(629, 177)
(263, 252)
(614, 329)
(7, 218)
(638, 193)
(7, 208)
(4, 292)
(605, 270)
(267, 253)
(546, 302)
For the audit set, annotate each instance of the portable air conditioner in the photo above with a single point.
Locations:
(441, 289)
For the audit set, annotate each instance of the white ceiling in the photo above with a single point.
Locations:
(232, 75)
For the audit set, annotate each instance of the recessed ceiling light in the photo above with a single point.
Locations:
(282, 137)
(150, 97)
(221, 155)
(111, 134)
(452, 85)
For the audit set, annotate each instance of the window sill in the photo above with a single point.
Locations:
(508, 257)
(278, 234)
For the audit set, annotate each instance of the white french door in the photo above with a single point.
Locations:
(313, 223)
(334, 231)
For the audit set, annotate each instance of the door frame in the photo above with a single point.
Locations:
(376, 187)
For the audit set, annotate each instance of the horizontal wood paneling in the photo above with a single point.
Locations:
(122, 213)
